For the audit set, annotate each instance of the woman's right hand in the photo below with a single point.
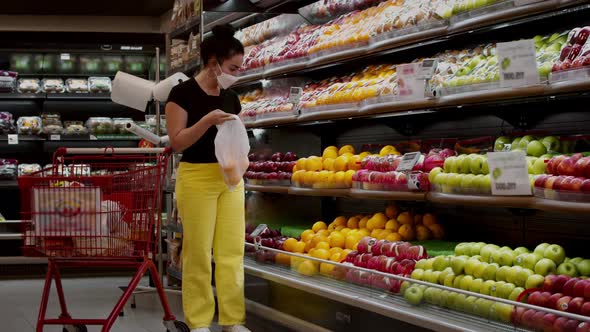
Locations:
(217, 117)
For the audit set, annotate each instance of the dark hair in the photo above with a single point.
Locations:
(222, 45)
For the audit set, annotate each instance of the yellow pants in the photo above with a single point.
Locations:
(212, 217)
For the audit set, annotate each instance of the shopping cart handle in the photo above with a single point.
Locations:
(110, 150)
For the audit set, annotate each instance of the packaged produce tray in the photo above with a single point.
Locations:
(413, 33)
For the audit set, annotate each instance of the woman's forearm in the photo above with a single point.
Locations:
(189, 136)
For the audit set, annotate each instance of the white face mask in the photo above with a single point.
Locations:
(225, 80)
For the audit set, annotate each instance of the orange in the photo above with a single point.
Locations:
(321, 254)
(406, 232)
(301, 163)
(295, 262)
(375, 233)
(345, 253)
(418, 219)
(391, 211)
(335, 250)
(307, 235)
(289, 244)
(307, 268)
(340, 221)
(326, 269)
(331, 227)
(437, 230)
(339, 228)
(346, 149)
(348, 177)
(364, 232)
(393, 237)
(336, 257)
(341, 164)
(405, 218)
(299, 247)
(392, 225)
(317, 239)
(422, 233)
(323, 245)
(283, 259)
(363, 222)
(353, 223)
(429, 219)
(350, 241)
(318, 226)
(377, 222)
(345, 231)
(309, 179)
(337, 240)
(339, 180)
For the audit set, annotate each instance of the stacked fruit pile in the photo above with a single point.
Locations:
(276, 170)
(379, 172)
(575, 53)
(329, 8)
(544, 147)
(463, 174)
(333, 170)
(569, 179)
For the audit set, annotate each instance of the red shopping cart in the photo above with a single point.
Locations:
(96, 208)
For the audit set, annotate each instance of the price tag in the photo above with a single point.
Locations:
(295, 95)
(509, 173)
(93, 138)
(55, 137)
(12, 139)
(428, 67)
(65, 56)
(414, 181)
(258, 230)
(409, 160)
(507, 147)
(518, 64)
(410, 84)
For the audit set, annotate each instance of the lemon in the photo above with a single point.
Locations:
(328, 164)
(341, 164)
(314, 164)
(307, 268)
(346, 149)
(301, 163)
(318, 226)
(330, 154)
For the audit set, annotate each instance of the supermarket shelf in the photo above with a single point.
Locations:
(21, 260)
(186, 27)
(267, 189)
(25, 96)
(11, 236)
(55, 96)
(8, 184)
(188, 68)
(490, 201)
(319, 192)
(427, 316)
(561, 206)
(388, 195)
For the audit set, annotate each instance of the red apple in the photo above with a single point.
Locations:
(563, 324)
(575, 305)
(552, 301)
(554, 163)
(581, 36)
(563, 303)
(574, 52)
(539, 298)
(538, 320)
(585, 310)
(378, 247)
(527, 318)
(572, 184)
(582, 167)
(540, 181)
(516, 317)
(366, 244)
(568, 288)
(580, 288)
(565, 51)
(548, 321)
(566, 64)
(585, 186)
(583, 327)
(373, 263)
(554, 283)
(566, 167)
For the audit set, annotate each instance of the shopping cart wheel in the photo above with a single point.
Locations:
(75, 328)
(180, 327)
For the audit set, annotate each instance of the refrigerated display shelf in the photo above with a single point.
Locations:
(515, 15)
(319, 192)
(388, 195)
(188, 68)
(381, 302)
(55, 96)
(267, 189)
(490, 201)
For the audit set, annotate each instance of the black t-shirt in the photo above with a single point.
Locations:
(197, 104)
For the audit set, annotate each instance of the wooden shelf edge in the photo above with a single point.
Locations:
(319, 192)
(527, 202)
(388, 195)
(267, 189)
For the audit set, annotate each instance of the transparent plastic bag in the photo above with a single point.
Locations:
(231, 149)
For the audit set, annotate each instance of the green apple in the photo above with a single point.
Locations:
(474, 61)
(464, 164)
(470, 266)
(449, 165)
(555, 253)
(552, 143)
(476, 285)
(454, 180)
(476, 166)
(469, 304)
(504, 257)
(428, 264)
(505, 290)
(465, 282)
(512, 274)
(457, 281)
(495, 288)
(444, 298)
(482, 307)
(515, 293)
(486, 252)
(420, 264)
(427, 275)
(444, 273)
(458, 301)
(539, 166)
(535, 281)
(575, 260)
(486, 288)
(405, 285)
(433, 173)
(515, 143)
(431, 295)
(545, 267)
(467, 183)
(529, 163)
(500, 143)
(480, 269)
(501, 312)
(524, 142)
(414, 295)
(476, 248)
(545, 69)
(540, 249)
(434, 277)
(502, 273)
(583, 267)
(535, 148)
(518, 275)
(462, 248)
(458, 264)
(520, 250)
(568, 269)
(485, 169)
(530, 260)
(417, 274)
(441, 262)
(449, 279)
(489, 273)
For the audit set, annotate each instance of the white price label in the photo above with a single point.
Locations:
(410, 85)
(414, 181)
(295, 95)
(55, 137)
(409, 160)
(428, 67)
(93, 138)
(509, 173)
(518, 64)
(12, 139)
(507, 147)
(65, 56)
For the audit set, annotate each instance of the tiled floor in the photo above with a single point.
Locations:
(87, 298)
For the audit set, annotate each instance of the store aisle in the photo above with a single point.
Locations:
(87, 298)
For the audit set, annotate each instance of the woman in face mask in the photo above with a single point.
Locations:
(212, 216)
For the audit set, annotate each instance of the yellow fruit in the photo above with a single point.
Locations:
(405, 218)
(299, 247)
(314, 164)
(326, 269)
(345, 231)
(308, 246)
(354, 163)
(321, 253)
(297, 178)
(345, 253)
(337, 240)
(329, 164)
(309, 178)
(340, 221)
(429, 219)
(307, 235)
(356, 246)
(422, 233)
(392, 225)
(331, 227)
(332, 154)
(418, 219)
(348, 155)
(323, 245)
(308, 268)
(348, 178)
(318, 226)
(289, 244)
(283, 259)
(363, 222)
(301, 163)
(316, 239)
(341, 164)
(335, 257)
(375, 232)
(332, 148)
(323, 232)
(339, 180)
(353, 222)
(335, 250)
(407, 232)
(383, 234)
(391, 211)
(386, 150)
(437, 230)
(295, 262)
(364, 232)
(364, 155)
(350, 241)
(339, 228)
(393, 237)
(346, 149)
(377, 222)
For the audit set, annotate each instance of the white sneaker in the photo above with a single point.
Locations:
(201, 329)
(235, 328)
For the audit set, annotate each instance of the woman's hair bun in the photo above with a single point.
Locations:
(223, 31)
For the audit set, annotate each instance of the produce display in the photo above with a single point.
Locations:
(8, 169)
(7, 123)
(335, 169)
(76, 85)
(575, 52)
(258, 105)
(29, 85)
(330, 8)
(7, 81)
(51, 123)
(568, 179)
(28, 169)
(29, 125)
(52, 85)
(274, 170)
